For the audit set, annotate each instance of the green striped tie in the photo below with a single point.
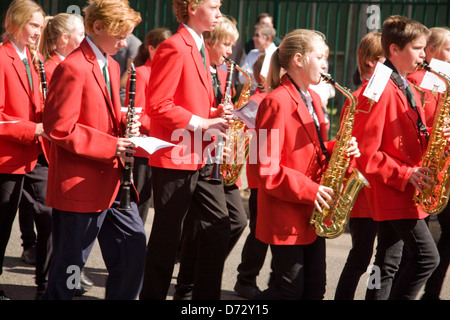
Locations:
(105, 74)
(202, 52)
(27, 66)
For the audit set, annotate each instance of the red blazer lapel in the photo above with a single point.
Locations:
(302, 111)
(114, 79)
(19, 67)
(204, 74)
(98, 75)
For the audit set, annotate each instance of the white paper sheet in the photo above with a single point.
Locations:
(151, 144)
(432, 82)
(377, 82)
(247, 113)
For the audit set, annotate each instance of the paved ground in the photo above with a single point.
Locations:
(18, 278)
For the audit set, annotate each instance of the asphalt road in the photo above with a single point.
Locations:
(18, 278)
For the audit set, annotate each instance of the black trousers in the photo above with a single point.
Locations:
(363, 232)
(422, 259)
(31, 189)
(434, 283)
(174, 192)
(142, 178)
(254, 250)
(299, 272)
(189, 239)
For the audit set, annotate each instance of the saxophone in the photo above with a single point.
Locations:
(331, 223)
(227, 168)
(238, 140)
(434, 200)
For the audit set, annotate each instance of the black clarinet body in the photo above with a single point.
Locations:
(43, 80)
(127, 172)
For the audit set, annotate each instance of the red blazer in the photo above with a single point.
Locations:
(390, 146)
(289, 176)
(258, 96)
(179, 87)
(19, 148)
(51, 64)
(83, 123)
(429, 100)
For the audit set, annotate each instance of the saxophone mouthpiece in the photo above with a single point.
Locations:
(423, 65)
(327, 77)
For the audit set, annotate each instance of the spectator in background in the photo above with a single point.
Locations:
(263, 38)
(262, 18)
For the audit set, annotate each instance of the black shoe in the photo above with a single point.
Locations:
(29, 255)
(3, 296)
(246, 291)
(80, 291)
(85, 281)
(183, 292)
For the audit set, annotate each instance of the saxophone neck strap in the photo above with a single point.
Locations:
(407, 91)
(322, 144)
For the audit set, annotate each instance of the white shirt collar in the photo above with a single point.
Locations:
(198, 39)
(60, 55)
(22, 55)
(102, 60)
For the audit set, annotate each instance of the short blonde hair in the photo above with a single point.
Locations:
(369, 49)
(18, 14)
(115, 15)
(224, 30)
(298, 41)
(438, 37)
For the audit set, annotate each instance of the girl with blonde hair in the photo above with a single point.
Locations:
(290, 125)
(23, 166)
(62, 34)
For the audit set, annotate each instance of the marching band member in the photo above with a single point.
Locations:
(363, 229)
(142, 173)
(254, 250)
(23, 166)
(179, 101)
(393, 139)
(438, 47)
(82, 117)
(290, 125)
(62, 34)
(219, 43)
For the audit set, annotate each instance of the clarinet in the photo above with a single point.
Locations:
(127, 172)
(43, 80)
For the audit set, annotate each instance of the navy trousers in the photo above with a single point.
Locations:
(122, 241)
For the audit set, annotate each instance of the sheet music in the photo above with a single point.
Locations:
(377, 82)
(431, 81)
(247, 113)
(13, 121)
(150, 144)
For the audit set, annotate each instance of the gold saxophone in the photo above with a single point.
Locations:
(434, 200)
(237, 141)
(331, 223)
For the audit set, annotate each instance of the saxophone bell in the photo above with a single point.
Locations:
(331, 223)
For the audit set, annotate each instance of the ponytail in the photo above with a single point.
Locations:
(273, 77)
